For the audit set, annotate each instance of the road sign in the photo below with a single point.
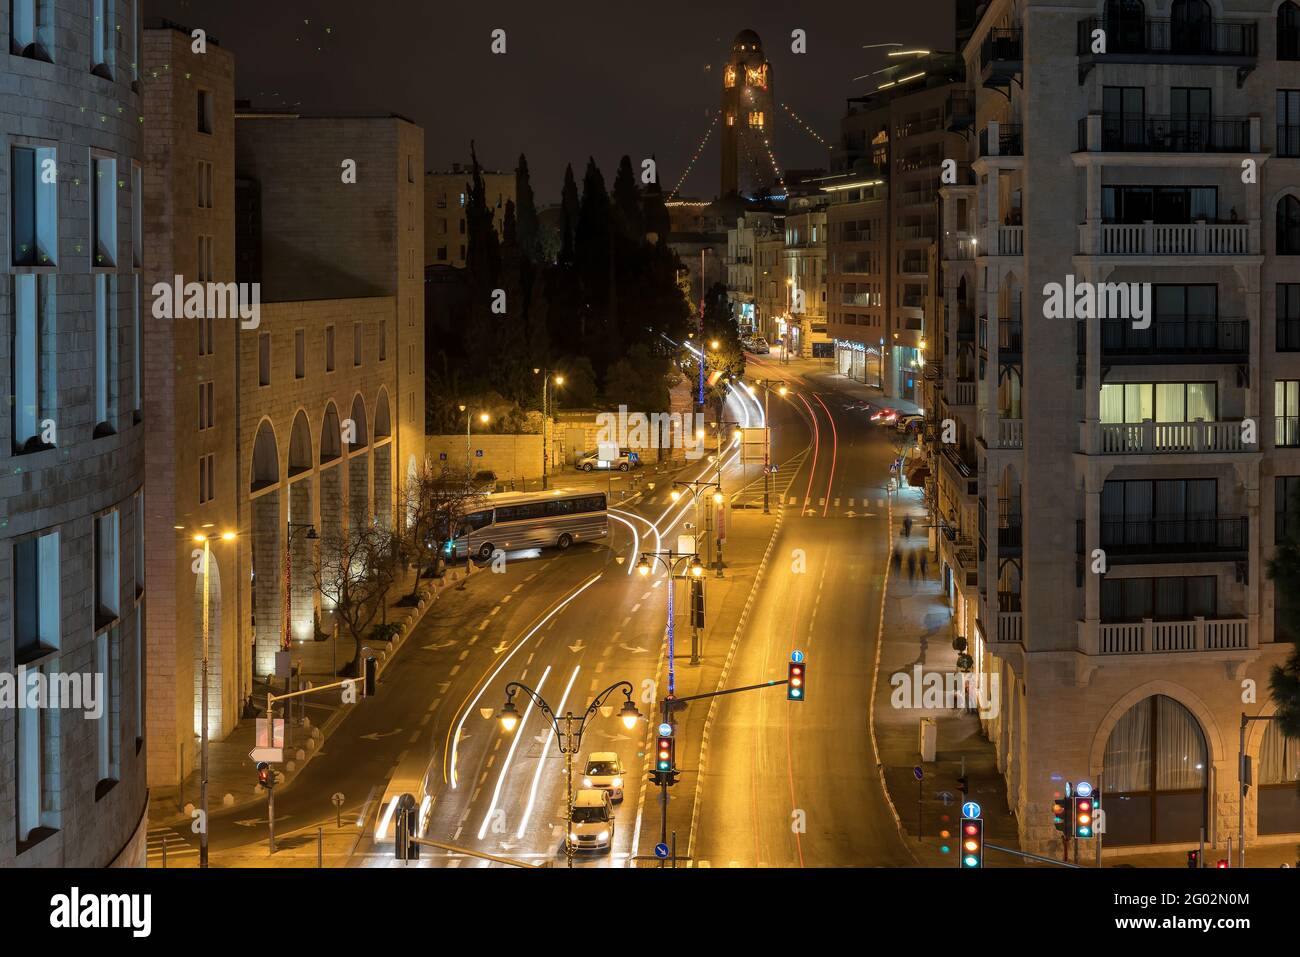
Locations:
(665, 728)
(1083, 789)
(970, 809)
(269, 755)
(918, 773)
(442, 456)
(753, 445)
(661, 851)
(796, 656)
(478, 453)
(337, 798)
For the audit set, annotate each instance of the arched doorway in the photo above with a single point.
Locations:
(214, 644)
(331, 481)
(1279, 782)
(383, 464)
(301, 593)
(357, 439)
(1155, 775)
(268, 561)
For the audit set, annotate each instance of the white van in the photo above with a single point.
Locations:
(592, 825)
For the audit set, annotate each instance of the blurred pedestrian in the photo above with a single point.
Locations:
(898, 561)
(907, 527)
(911, 566)
(925, 564)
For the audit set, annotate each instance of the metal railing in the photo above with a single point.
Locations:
(1173, 536)
(1002, 45)
(1161, 637)
(1172, 37)
(1174, 134)
(1193, 337)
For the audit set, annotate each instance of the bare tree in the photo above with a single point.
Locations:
(437, 503)
(355, 571)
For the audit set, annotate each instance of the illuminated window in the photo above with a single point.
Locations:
(756, 119)
(757, 76)
(729, 77)
(731, 119)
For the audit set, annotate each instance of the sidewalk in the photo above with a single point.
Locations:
(918, 634)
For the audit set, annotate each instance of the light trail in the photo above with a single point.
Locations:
(541, 761)
(636, 538)
(835, 451)
(510, 756)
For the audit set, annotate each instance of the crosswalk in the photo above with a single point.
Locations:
(179, 851)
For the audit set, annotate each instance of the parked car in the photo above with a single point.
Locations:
(761, 348)
(884, 416)
(627, 459)
(484, 482)
(909, 423)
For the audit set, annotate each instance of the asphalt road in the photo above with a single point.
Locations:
(795, 784)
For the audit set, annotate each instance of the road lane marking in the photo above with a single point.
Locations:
(494, 611)
(636, 608)
(463, 655)
(454, 670)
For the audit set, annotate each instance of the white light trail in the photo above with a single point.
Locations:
(541, 761)
(510, 756)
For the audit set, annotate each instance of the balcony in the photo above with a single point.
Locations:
(1009, 528)
(966, 324)
(1009, 240)
(958, 472)
(1001, 57)
(1002, 139)
(958, 112)
(1140, 540)
(1155, 40)
(1010, 339)
(1169, 438)
(1150, 637)
(1188, 340)
(1166, 239)
(1173, 134)
(1010, 434)
(963, 392)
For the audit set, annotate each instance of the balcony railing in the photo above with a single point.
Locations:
(964, 393)
(1009, 140)
(1213, 535)
(1010, 240)
(1161, 438)
(1002, 49)
(1010, 337)
(1011, 434)
(1150, 637)
(1195, 338)
(1174, 134)
(1176, 38)
(1169, 239)
(1009, 626)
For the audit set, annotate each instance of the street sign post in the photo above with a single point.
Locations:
(269, 755)
(661, 851)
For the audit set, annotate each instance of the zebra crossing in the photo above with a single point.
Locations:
(179, 852)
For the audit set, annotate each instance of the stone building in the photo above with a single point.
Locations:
(72, 437)
(857, 238)
(1118, 472)
(445, 195)
(748, 117)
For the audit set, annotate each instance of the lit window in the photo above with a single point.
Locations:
(756, 119)
(731, 119)
(729, 76)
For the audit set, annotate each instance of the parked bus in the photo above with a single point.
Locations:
(508, 520)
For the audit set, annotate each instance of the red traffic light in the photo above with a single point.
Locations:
(972, 843)
(665, 758)
(796, 673)
(1223, 862)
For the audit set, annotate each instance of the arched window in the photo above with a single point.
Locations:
(1288, 226)
(1155, 775)
(1126, 26)
(1288, 31)
(1279, 775)
(1191, 25)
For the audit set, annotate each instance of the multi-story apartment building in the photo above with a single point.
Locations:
(72, 580)
(445, 195)
(1119, 457)
(857, 240)
(900, 133)
(771, 291)
(741, 282)
(803, 327)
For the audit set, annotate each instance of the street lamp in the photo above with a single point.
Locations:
(200, 537)
(469, 419)
(546, 379)
(672, 560)
(695, 488)
(569, 739)
(767, 439)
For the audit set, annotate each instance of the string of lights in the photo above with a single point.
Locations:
(767, 144)
(698, 150)
(805, 127)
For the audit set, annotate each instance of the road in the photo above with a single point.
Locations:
(794, 784)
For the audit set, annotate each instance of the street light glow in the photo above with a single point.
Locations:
(643, 567)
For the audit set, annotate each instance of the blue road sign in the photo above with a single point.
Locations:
(665, 729)
(478, 453)
(661, 851)
(796, 656)
(970, 809)
(442, 456)
(918, 773)
(1083, 789)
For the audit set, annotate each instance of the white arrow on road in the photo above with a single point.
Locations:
(614, 737)
(497, 649)
(578, 647)
(375, 735)
(636, 651)
(254, 822)
(439, 645)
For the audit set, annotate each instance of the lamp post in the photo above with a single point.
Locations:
(292, 528)
(767, 440)
(785, 339)
(559, 381)
(569, 738)
(671, 559)
(469, 419)
(695, 488)
(203, 696)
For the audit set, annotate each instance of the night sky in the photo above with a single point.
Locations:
(577, 79)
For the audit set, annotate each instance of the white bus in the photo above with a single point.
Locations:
(509, 520)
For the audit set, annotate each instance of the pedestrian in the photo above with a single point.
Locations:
(898, 561)
(911, 566)
(907, 527)
(925, 564)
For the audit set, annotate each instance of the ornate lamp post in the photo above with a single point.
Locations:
(569, 737)
(671, 560)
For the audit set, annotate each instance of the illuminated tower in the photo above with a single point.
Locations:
(747, 117)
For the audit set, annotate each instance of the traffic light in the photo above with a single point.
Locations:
(972, 843)
(665, 754)
(265, 776)
(796, 672)
(1060, 810)
(697, 603)
(1193, 860)
(1083, 818)
(405, 830)
(1223, 863)
(664, 778)
(371, 676)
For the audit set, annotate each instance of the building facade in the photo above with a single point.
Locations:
(857, 240)
(445, 195)
(803, 327)
(73, 787)
(1116, 429)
